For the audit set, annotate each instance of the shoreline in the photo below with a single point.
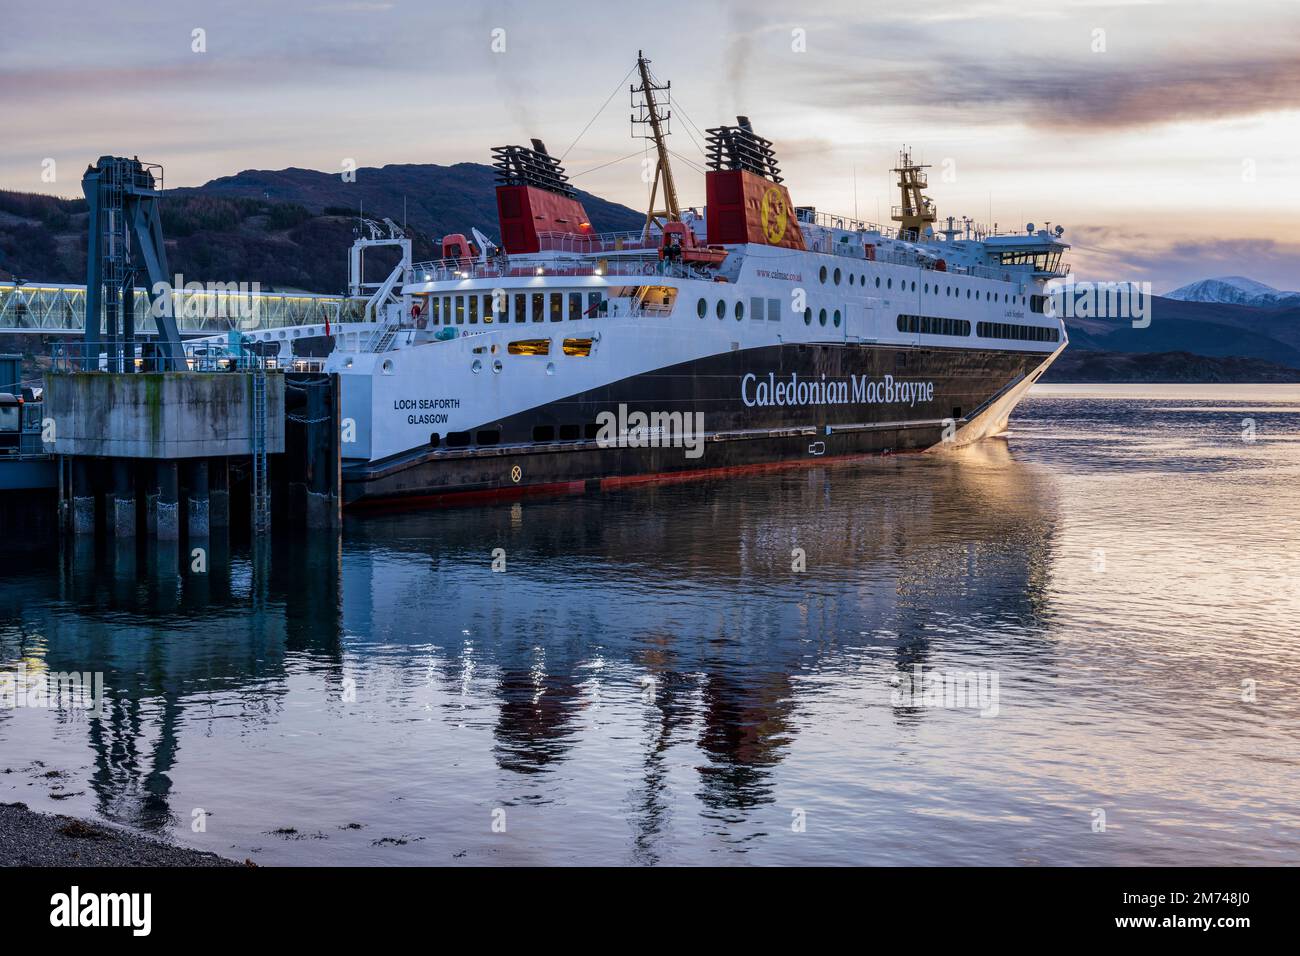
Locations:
(31, 838)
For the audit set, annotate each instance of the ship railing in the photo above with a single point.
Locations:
(69, 357)
(912, 212)
(811, 217)
(596, 243)
(528, 266)
(931, 263)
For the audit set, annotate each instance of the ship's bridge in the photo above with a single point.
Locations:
(1041, 250)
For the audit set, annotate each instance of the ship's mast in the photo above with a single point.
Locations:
(917, 211)
(648, 114)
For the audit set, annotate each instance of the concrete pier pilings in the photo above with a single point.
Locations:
(122, 512)
(197, 508)
(166, 518)
(83, 496)
(177, 498)
(218, 493)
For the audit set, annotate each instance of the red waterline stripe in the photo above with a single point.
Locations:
(579, 486)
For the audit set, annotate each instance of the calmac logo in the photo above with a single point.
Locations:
(855, 390)
(775, 215)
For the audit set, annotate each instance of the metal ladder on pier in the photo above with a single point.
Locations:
(261, 497)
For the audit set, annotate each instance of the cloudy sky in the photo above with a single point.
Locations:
(1163, 134)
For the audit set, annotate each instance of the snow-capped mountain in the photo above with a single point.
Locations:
(1234, 290)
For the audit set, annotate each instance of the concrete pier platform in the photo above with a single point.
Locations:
(160, 415)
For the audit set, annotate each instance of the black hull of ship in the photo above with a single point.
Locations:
(741, 434)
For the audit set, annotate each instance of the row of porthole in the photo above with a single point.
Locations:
(821, 317)
(889, 284)
(702, 309)
(477, 366)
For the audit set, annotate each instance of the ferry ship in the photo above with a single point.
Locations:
(749, 334)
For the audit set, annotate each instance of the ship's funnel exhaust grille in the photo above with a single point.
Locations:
(521, 166)
(739, 147)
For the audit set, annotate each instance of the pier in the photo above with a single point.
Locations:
(134, 433)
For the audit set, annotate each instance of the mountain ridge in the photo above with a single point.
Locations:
(1234, 290)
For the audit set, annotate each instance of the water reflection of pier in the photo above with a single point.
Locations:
(168, 641)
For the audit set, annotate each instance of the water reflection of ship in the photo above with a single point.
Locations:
(680, 596)
(693, 586)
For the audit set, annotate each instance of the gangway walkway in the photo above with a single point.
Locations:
(42, 307)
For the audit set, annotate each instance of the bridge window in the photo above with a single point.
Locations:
(595, 304)
(489, 306)
(521, 307)
(473, 310)
(537, 303)
(460, 310)
(557, 306)
(575, 305)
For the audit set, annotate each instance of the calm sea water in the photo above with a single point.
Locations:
(650, 681)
